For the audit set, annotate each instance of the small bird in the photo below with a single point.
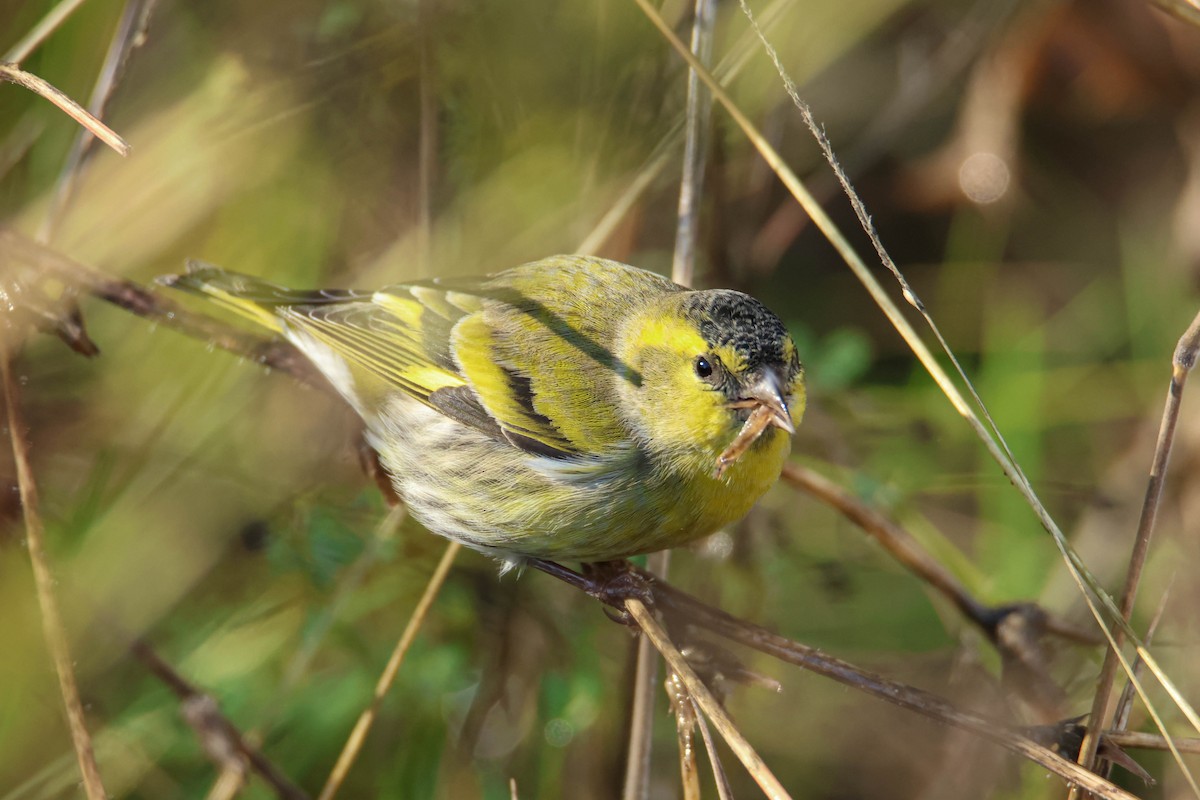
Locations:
(570, 409)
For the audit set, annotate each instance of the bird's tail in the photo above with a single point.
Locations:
(252, 298)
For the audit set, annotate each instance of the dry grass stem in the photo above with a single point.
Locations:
(358, 735)
(705, 700)
(694, 612)
(14, 74)
(1181, 367)
(685, 714)
(724, 790)
(695, 147)
(1152, 741)
(636, 784)
(129, 34)
(1125, 701)
(52, 625)
(427, 144)
(691, 188)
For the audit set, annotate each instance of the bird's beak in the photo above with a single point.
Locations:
(767, 391)
(764, 398)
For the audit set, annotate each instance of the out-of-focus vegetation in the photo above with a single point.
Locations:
(1033, 168)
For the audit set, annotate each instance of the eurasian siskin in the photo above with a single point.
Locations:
(573, 408)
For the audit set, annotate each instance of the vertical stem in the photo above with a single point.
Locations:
(358, 735)
(52, 624)
(699, 108)
(428, 142)
(1184, 360)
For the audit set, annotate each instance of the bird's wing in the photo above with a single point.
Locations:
(518, 361)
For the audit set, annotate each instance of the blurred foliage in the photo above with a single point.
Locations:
(1034, 169)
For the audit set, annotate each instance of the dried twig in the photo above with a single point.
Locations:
(13, 74)
(686, 715)
(1125, 701)
(641, 718)
(705, 700)
(1181, 367)
(359, 734)
(724, 790)
(52, 624)
(427, 146)
(691, 611)
(1151, 741)
(130, 33)
(925, 703)
(691, 184)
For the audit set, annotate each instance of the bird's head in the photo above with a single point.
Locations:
(710, 365)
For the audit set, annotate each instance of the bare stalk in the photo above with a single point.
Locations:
(129, 34)
(1181, 367)
(52, 624)
(695, 146)
(359, 735)
(14, 74)
(705, 700)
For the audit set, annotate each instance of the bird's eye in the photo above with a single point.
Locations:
(703, 368)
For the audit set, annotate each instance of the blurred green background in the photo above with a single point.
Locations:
(1033, 168)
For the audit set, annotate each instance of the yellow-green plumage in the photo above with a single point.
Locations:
(558, 410)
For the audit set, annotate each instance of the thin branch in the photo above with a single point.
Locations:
(925, 703)
(695, 146)
(705, 700)
(1151, 741)
(724, 790)
(14, 74)
(130, 33)
(691, 611)
(219, 737)
(52, 624)
(427, 145)
(1125, 701)
(691, 184)
(686, 713)
(645, 690)
(1182, 364)
(357, 736)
